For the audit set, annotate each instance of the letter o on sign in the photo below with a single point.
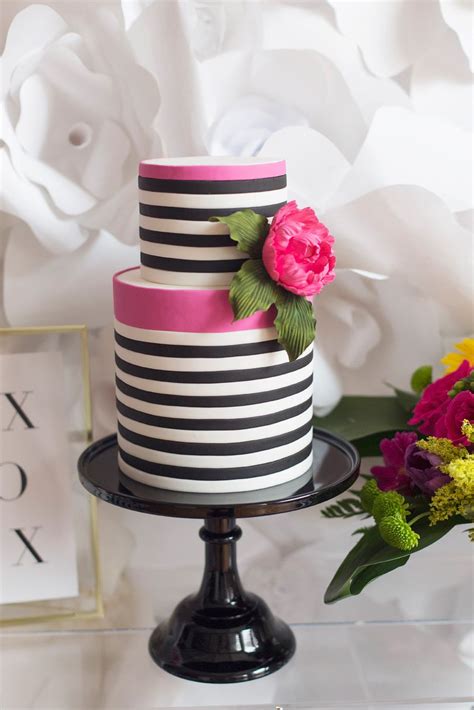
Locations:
(13, 481)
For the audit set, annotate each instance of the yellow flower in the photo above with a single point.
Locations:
(456, 497)
(468, 430)
(446, 502)
(462, 473)
(466, 352)
(444, 448)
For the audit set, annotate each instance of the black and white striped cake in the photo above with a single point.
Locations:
(204, 404)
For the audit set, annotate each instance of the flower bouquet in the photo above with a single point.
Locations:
(425, 486)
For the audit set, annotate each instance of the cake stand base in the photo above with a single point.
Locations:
(222, 634)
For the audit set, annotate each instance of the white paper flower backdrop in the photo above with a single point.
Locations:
(369, 101)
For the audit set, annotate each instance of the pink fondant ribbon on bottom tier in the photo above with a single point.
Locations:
(144, 305)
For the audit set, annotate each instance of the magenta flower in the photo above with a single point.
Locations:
(297, 252)
(393, 476)
(422, 467)
(430, 411)
(460, 407)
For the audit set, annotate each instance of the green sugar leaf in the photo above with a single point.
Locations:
(252, 290)
(421, 378)
(295, 323)
(248, 229)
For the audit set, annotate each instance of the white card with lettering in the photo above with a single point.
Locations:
(37, 543)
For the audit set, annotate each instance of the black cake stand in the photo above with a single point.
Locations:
(222, 634)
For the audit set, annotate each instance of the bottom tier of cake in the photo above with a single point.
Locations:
(206, 405)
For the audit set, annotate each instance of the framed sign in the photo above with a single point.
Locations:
(49, 566)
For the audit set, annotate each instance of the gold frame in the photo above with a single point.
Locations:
(98, 612)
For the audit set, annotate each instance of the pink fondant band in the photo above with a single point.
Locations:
(251, 171)
(185, 310)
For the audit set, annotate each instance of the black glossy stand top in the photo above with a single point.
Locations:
(335, 468)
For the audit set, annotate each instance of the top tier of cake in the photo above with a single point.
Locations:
(179, 245)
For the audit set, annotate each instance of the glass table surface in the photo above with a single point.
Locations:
(367, 665)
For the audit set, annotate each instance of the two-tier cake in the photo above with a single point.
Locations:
(205, 403)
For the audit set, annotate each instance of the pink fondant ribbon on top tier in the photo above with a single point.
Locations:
(250, 171)
(185, 310)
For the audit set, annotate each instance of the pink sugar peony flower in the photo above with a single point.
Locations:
(392, 476)
(298, 251)
(460, 407)
(430, 411)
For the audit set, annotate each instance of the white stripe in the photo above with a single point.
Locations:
(135, 277)
(204, 364)
(189, 279)
(229, 486)
(241, 412)
(170, 337)
(217, 437)
(183, 226)
(207, 201)
(171, 251)
(216, 389)
(187, 461)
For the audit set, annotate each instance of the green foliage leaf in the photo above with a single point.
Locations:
(421, 378)
(345, 508)
(365, 420)
(407, 400)
(295, 323)
(371, 557)
(252, 290)
(248, 229)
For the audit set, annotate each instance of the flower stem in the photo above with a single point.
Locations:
(418, 517)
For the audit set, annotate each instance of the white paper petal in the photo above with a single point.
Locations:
(391, 35)
(312, 85)
(27, 201)
(23, 37)
(296, 87)
(459, 15)
(315, 167)
(41, 289)
(245, 127)
(310, 26)
(119, 213)
(465, 219)
(217, 27)
(404, 148)
(77, 118)
(354, 329)
(132, 9)
(167, 56)
(408, 232)
(327, 386)
(376, 331)
(442, 84)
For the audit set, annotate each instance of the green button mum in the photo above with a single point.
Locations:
(396, 532)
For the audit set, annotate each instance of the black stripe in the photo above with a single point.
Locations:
(191, 265)
(212, 187)
(213, 424)
(186, 240)
(202, 215)
(198, 351)
(207, 449)
(216, 474)
(237, 400)
(213, 376)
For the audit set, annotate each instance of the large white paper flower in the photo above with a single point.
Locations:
(77, 115)
(403, 283)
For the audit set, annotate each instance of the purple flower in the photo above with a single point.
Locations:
(393, 476)
(422, 468)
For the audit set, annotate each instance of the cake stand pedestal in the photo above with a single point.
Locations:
(222, 634)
